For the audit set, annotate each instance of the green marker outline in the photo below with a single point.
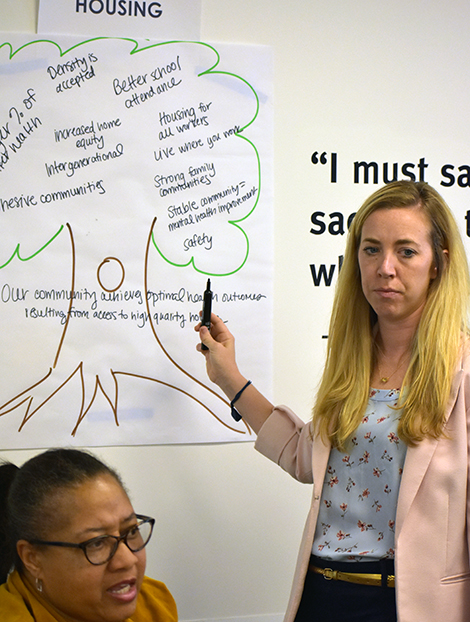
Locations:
(135, 50)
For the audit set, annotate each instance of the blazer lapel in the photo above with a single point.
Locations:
(417, 462)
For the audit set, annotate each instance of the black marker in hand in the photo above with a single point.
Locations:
(207, 309)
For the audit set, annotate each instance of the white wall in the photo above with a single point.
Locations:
(229, 522)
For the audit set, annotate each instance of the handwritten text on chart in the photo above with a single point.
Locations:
(127, 176)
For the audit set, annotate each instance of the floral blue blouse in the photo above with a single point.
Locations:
(360, 493)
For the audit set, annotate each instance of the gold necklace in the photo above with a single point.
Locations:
(385, 379)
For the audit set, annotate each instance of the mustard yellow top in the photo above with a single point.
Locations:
(18, 603)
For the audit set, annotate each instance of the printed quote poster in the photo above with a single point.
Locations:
(130, 174)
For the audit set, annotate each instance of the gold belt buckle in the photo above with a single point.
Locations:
(329, 574)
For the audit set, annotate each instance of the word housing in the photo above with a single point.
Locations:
(130, 8)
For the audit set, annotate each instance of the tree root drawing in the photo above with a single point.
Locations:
(33, 401)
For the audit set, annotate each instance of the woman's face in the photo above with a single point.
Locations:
(80, 591)
(397, 263)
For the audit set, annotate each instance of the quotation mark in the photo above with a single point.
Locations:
(322, 158)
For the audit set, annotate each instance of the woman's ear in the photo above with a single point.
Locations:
(445, 262)
(445, 254)
(29, 556)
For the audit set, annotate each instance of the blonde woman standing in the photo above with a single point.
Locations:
(387, 449)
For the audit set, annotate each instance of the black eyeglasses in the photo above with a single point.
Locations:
(101, 549)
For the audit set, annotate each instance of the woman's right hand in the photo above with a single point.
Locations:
(221, 364)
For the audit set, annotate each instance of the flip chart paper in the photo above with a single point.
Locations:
(130, 172)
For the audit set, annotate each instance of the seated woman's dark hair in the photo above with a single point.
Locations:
(29, 496)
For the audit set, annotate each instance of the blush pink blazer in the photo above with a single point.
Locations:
(432, 523)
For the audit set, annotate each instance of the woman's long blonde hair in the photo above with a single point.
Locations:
(344, 389)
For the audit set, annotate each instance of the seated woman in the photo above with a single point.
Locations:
(71, 546)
